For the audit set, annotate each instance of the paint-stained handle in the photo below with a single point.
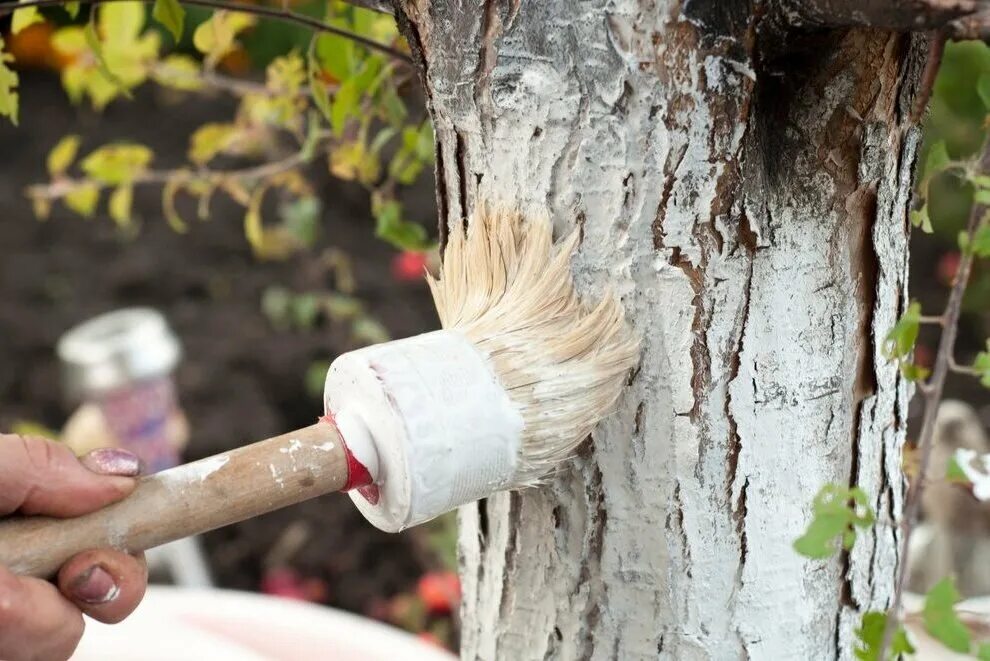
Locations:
(186, 500)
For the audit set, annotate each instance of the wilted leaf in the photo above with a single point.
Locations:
(170, 14)
(940, 617)
(120, 205)
(870, 635)
(172, 217)
(8, 86)
(62, 155)
(83, 199)
(901, 338)
(118, 163)
(837, 512)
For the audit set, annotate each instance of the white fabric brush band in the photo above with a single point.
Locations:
(445, 431)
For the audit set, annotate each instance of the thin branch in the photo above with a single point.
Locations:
(380, 6)
(932, 396)
(258, 10)
(961, 369)
(900, 15)
(62, 187)
(932, 319)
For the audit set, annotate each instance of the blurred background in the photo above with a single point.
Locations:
(259, 323)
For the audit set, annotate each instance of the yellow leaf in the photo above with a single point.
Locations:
(179, 72)
(83, 198)
(252, 219)
(120, 205)
(216, 36)
(210, 140)
(62, 155)
(8, 86)
(121, 22)
(25, 17)
(352, 161)
(119, 163)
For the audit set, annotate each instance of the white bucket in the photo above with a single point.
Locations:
(221, 625)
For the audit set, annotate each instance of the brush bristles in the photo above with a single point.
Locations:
(507, 287)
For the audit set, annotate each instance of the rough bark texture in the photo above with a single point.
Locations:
(752, 215)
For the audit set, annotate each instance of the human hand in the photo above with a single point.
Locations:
(39, 621)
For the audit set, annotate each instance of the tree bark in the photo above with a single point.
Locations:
(750, 208)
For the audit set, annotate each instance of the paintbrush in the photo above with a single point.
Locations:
(520, 374)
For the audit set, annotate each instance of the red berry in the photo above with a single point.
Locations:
(440, 591)
(948, 266)
(409, 266)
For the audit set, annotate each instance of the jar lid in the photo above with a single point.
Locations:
(116, 349)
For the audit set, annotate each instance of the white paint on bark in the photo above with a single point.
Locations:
(751, 215)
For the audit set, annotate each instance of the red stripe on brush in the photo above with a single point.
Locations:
(358, 476)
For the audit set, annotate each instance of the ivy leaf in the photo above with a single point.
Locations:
(8, 86)
(117, 164)
(982, 366)
(870, 634)
(24, 17)
(83, 199)
(172, 15)
(62, 155)
(940, 618)
(919, 218)
(983, 89)
(837, 512)
(901, 338)
(120, 205)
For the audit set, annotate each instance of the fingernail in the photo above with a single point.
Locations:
(95, 586)
(112, 461)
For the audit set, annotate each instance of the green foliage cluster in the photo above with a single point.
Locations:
(336, 100)
(837, 512)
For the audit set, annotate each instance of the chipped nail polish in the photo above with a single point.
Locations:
(95, 586)
(113, 461)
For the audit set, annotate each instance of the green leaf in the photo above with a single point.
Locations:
(120, 205)
(870, 634)
(305, 309)
(901, 338)
(25, 17)
(170, 14)
(983, 652)
(983, 89)
(981, 241)
(336, 55)
(913, 372)
(316, 375)
(117, 164)
(301, 218)
(72, 9)
(938, 158)
(391, 227)
(954, 472)
(83, 199)
(981, 196)
(8, 86)
(919, 218)
(62, 154)
(317, 86)
(940, 618)
(982, 366)
(345, 105)
(275, 305)
(837, 512)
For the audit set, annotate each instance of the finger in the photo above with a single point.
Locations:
(105, 584)
(36, 621)
(38, 476)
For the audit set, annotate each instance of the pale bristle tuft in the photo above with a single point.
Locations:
(507, 287)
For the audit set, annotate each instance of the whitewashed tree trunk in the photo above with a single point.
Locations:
(748, 202)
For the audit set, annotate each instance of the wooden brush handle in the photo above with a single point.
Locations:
(185, 500)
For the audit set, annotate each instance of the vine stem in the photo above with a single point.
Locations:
(275, 13)
(932, 394)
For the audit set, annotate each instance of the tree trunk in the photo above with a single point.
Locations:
(746, 195)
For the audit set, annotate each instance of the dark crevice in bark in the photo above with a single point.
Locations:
(670, 178)
(460, 156)
(675, 526)
(510, 553)
(590, 578)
